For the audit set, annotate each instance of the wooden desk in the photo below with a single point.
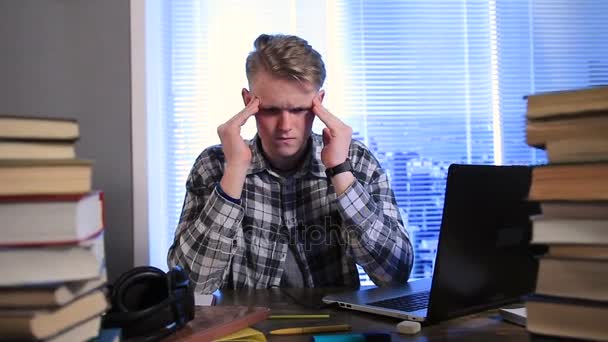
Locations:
(485, 326)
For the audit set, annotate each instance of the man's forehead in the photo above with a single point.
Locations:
(285, 105)
(289, 101)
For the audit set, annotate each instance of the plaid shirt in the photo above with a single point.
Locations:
(222, 243)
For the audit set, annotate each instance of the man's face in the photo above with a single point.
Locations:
(285, 118)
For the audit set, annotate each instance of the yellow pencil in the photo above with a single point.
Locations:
(311, 330)
(298, 316)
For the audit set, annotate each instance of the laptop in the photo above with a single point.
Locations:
(484, 258)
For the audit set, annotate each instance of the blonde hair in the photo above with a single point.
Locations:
(288, 57)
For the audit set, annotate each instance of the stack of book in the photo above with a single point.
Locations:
(51, 234)
(571, 296)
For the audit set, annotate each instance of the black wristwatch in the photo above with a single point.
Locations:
(344, 167)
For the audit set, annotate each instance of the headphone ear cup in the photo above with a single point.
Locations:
(140, 275)
(137, 296)
(143, 288)
(147, 300)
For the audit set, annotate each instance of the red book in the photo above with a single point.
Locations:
(43, 220)
(213, 322)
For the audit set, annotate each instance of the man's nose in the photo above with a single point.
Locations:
(285, 120)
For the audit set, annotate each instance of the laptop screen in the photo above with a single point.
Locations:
(484, 258)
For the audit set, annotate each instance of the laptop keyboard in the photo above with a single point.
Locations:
(412, 302)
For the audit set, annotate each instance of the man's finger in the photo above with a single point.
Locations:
(326, 136)
(328, 118)
(251, 108)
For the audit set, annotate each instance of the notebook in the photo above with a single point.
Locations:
(204, 299)
(484, 258)
(514, 315)
(245, 335)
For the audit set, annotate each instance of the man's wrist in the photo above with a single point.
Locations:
(345, 166)
(225, 195)
(233, 180)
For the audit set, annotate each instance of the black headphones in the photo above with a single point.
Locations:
(149, 304)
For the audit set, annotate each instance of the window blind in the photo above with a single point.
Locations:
(420, 84)
(423, 83)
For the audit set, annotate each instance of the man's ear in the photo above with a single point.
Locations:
(246, 96)
(321, 95)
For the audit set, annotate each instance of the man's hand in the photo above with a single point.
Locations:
(336, 136)
(336, 142)
(236, 151)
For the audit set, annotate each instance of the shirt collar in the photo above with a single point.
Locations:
(312, 164)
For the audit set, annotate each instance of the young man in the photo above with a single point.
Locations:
(289, 208)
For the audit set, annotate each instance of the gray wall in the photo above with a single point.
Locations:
(71, 58)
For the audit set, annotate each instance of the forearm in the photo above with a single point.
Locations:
(203, 243)
(233, 180)
(342, 181)
(377, 238)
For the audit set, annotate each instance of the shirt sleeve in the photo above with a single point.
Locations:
(205, 236)
(378, 240)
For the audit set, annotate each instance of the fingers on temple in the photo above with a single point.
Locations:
(323, 114)
(251, 108)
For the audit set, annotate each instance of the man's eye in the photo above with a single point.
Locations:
(299, 110)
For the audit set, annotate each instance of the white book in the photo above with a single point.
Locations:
(53, 264)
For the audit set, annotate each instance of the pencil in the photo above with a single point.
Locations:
(311, 330)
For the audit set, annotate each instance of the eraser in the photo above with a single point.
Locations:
(408, 327)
